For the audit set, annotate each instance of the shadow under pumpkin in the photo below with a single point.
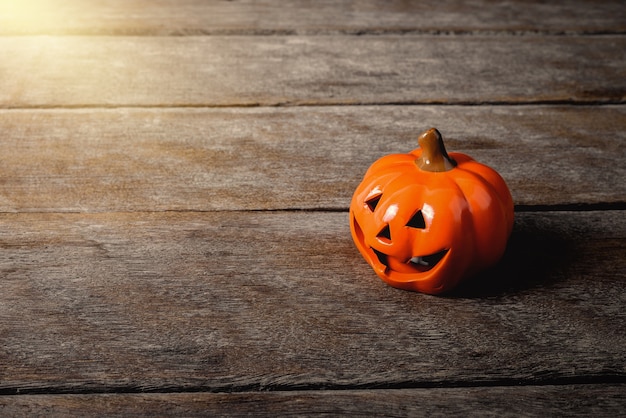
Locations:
(533, 255)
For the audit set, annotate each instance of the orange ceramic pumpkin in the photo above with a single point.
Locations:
(428, 219)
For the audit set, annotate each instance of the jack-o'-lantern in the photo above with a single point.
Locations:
(427, 220)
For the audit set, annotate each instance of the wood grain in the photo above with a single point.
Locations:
(174, 179)
(239, 301)
(193, 17)
(292, 158)
(93, 71)
(571, 400)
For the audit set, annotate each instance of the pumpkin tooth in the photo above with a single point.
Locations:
(419, 260)
(427, 261)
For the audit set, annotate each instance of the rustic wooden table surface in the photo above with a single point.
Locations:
(174, 187)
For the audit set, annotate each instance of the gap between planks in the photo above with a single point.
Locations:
(587, 400)
(574, 207)
(322, 104)
(514, 33)
(295, 17)
(287, 388)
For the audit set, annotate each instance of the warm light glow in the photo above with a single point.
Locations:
(33, 17)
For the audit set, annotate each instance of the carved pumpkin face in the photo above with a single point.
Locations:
(425, 225)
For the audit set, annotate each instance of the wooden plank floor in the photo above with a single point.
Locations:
(174, 185)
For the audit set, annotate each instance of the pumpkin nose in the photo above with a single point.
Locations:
(385, 234)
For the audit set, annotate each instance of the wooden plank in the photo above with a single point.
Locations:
(292, 158)
(571, 400)
(235, 301)
(185, 17)
(252, 70)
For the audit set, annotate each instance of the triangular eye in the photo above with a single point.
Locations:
(373, 202)
(385, 233)
(417, 221)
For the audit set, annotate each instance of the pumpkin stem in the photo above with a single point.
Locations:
(434, 157)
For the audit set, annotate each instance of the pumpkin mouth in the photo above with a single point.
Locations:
(426, 262)
(421, 263)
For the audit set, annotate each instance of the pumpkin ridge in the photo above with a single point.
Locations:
(497, 184)
(485, 218)
(389, 162)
